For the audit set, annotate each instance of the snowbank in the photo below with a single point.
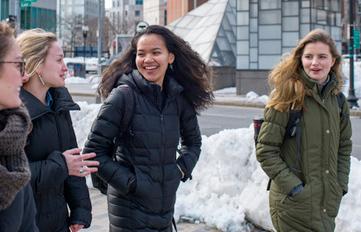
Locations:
(228, 183)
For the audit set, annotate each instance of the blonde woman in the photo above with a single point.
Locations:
(309, 168)
(57, 168)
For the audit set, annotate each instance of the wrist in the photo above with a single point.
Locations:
(180, 169)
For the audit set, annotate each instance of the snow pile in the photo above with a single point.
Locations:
(229, 95)
(228, 183)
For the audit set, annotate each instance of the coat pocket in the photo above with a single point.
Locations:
(334, 198)
(296, 211)
(148, 193)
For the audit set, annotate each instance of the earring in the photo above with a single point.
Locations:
(41, 79)
(171, 67)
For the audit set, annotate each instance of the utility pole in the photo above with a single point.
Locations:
(100, 32)
(352, 99)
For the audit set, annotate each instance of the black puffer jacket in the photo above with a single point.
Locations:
(53, 189)
(148, 154)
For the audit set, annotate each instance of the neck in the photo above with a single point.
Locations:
(36, 88)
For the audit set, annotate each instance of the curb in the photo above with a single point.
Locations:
(354, 113)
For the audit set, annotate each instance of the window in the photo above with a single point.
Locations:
(4, 11)
(137, 13)
(138, 2)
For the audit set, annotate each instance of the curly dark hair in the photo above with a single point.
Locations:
(189, 69)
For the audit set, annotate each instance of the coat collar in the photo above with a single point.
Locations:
(136, 80)
(61, 101)
(313, 85)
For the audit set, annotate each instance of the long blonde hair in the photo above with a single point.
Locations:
(34, 45)
(288, 88)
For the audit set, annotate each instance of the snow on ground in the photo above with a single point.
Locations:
(228, 183)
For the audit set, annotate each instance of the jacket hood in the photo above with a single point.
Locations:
(61, 97)
(136, 81)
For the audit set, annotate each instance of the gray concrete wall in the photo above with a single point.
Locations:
(252, 80)
(223, 77)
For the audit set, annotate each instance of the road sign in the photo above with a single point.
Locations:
(26, 3)
(356, 38)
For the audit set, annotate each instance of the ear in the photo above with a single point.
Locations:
(171, 58)
(333, 61)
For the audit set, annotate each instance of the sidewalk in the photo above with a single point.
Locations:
(100, 221)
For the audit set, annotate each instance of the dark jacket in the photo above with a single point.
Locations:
(160, 119)
(325, 148)
(17, 207)
(20, 215)
(53, 188)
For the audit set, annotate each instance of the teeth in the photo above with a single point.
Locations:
(150, 67)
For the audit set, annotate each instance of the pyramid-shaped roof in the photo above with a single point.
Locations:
(210, 29)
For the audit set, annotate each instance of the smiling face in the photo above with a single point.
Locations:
(317, 61)
(53, 69)
(10, 78)
(152, 58)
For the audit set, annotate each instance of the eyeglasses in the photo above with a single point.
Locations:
(20, 63)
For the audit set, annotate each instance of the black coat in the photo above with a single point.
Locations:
(20, 215)
(159, 120)
(53, 188)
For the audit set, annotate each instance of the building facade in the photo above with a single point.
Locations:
(178, 8)
(124, 15)
(269, 29)
(77, 23)
(41, 14)
(4, 9)
(155, 12)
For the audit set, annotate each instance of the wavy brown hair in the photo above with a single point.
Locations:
(288, 88)
(6, 34)
(188, 68)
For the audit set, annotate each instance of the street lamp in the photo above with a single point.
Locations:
(352, 99)
(85, 34)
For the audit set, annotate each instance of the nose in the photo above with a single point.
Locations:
(148, 58)
(65, 68)
(315, 61)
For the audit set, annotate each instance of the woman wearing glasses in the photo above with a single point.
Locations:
(57, 167)
(17, 208)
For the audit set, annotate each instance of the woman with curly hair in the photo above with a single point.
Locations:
(163, 83)
(308, 162)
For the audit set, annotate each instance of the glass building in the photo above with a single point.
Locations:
(210, 29)
(266, 29)
(252, 35)
(4, 9)
(35, 17)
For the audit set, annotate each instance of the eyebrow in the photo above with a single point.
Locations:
(153, 49)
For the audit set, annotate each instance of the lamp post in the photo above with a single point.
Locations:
(85, 34)
(352, 99)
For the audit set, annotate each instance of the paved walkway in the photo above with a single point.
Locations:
(100, 221)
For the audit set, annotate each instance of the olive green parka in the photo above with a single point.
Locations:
(325, 161)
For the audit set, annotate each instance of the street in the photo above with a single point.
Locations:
(220, 117)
